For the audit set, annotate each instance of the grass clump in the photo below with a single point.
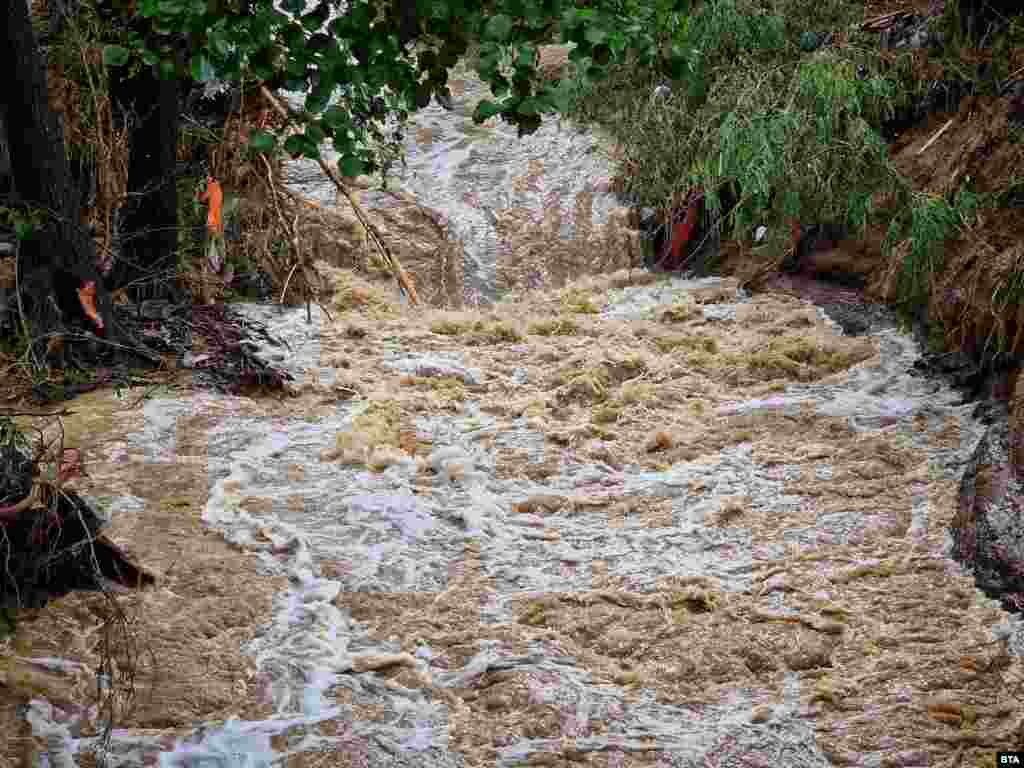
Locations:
(687, 342)
(559, 326)
(606, 414)
(796, 358)
(495, 332)
(378, 426)
(578, 301)
(448, 326)
(448, 388)
(679, 312)
(589, 385)
(478, 332)
(638, 393)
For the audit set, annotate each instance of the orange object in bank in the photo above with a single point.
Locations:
(214, 193)
(87, 298)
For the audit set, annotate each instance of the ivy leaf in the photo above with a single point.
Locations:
(115, 56)
(261, 141)
(498, 28)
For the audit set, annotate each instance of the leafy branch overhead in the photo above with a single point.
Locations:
(364, 65)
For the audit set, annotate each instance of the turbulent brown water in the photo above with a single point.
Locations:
(636, 522)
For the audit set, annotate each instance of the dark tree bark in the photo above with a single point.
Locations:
(60, 257)
(6, 181)
(977, 17)
(148, 222)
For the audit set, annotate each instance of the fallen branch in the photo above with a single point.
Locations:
(935, 138)
(883, 22)
(404, 283)
(293, 236)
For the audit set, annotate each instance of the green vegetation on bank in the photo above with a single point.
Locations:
(794, 130)
(782, 105)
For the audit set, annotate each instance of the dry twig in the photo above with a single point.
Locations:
(935, 138)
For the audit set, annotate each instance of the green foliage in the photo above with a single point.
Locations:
(793, 131)
(365, 70)
(116, 55)
(925, 226)
(24, 221)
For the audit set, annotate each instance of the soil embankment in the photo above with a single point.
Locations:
(970, 318)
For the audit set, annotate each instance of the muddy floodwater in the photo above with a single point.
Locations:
(636, 522)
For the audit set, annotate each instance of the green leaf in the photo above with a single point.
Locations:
(314, 133)
(485, 110)
(115, 55)
(168, 70)
(23, 229)
(498, 28)
(334, 115)
(299, 144)
(350, 166)
(528, 106)
(527, 55)
(202, 70)
(499, 86)
(261, 141)
(559, 97)
(595, 35)
(317, 99)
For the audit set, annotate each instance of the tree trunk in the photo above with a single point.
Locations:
(59, 257)
(148, 223)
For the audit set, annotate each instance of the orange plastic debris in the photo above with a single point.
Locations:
(215, 217)
(87, 298)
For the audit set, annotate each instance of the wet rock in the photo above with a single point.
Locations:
(958, 367)
(988, 531)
